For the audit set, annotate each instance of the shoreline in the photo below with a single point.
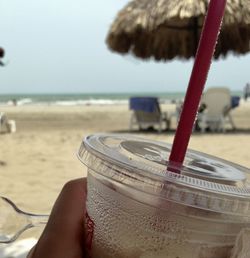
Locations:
(82, 99)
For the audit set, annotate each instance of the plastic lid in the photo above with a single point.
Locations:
(205, 182)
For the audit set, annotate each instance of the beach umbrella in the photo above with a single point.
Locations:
(166, 29)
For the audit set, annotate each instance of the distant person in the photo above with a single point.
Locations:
(14, 102)
(246, 91)
(2, 52)
(1, 56)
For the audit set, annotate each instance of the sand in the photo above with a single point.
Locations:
(37, 160)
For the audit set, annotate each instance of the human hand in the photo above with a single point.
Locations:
(63, 236)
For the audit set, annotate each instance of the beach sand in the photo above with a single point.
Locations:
(37, 160)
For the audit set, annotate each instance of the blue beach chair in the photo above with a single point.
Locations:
(147, 113)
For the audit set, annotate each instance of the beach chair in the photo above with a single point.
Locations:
(6, 125)
(217, 103)
(147, 113)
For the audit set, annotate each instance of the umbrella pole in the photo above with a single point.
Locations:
(195, 34)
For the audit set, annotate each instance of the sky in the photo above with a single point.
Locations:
(58, 46)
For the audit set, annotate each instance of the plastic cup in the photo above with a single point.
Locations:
(137, 208)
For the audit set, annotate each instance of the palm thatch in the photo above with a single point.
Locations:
(166, 29)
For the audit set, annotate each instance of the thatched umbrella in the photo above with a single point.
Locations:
(165, 29)
(1, 56)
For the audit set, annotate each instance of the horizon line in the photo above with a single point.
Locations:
(103, 93)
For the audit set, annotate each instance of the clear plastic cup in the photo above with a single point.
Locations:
(137, 207)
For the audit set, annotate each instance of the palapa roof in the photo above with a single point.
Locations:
(165, 29)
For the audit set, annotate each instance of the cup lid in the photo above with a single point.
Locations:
(204, 181)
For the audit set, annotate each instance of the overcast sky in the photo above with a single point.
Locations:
(59, 46)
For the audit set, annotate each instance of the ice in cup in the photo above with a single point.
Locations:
(136, 207)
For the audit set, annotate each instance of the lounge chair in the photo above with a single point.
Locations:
(147, 113)
(217, 105)
(6, 125)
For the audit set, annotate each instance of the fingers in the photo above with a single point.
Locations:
(63, 236)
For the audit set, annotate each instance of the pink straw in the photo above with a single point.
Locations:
(197, 80)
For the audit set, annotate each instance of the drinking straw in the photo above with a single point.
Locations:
(197, 80)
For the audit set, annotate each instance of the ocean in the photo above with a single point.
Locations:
(87, 99)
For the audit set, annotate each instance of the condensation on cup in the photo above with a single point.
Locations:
(138, 208)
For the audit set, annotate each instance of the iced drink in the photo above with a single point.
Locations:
(138, 208)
